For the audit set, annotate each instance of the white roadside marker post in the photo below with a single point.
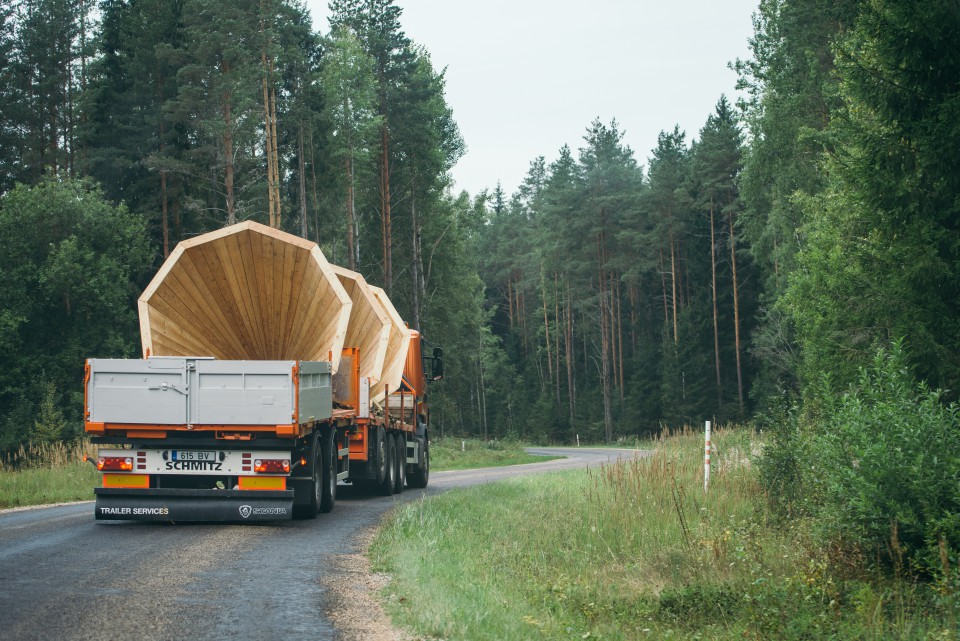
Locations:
(706, 457)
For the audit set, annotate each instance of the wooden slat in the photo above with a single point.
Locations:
(205, 305)
(228, 273)
(220, 302)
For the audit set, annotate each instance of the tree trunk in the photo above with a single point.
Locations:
(546, 325)
(605, 338)
(417, 266)
(482, 390)
(351, 241)
(267, 129)
(83, 82)
(522, 311)
(163, 210)
(673, 288)
(303, 182)
(619, 336)
(276, 154)
(716, 330)
(556, 338)
(228, 148)
(385, 210)
(736, 311)
(605, 368)
(663, 286)
(69, 134)
(313, 188)
(568, 344)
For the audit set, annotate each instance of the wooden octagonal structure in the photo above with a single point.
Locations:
(369, 328)
(246, 292)
(397, 346)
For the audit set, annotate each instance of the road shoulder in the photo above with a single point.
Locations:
(354, 605)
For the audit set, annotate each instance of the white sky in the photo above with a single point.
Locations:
(525, 77)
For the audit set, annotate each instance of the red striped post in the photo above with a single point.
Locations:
(706, 457)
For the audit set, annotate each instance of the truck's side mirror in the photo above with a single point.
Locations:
(436, 372)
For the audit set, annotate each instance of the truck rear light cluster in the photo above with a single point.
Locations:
(271, 466)
(115, 464)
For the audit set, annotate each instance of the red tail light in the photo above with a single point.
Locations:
(115, 464)
(271, 466)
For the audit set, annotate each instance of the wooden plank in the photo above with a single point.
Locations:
(171, 339)
(253, 256)
(212, 281)
(308, 307)
(231, 291)
(173, 300)
(202, 302)
(146, 333)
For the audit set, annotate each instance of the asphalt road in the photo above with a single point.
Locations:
(65, 576)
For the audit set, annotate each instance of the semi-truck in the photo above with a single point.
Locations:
(268, 376)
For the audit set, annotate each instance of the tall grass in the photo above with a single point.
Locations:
(464, 454)
(47, 473)
(632, 550)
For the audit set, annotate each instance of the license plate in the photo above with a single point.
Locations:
(192, 455)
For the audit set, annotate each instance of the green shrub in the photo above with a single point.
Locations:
(886, 464)
(781, 467)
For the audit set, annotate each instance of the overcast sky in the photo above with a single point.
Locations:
(525, 77)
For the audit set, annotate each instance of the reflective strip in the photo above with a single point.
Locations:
(263, 482)
(126, 480)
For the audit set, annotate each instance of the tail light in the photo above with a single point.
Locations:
(271, 466)
(115, 464)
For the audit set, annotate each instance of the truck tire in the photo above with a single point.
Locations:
(313, 489)
(389, 481)
(380, 455)
(401, 451)
(420, 475)
(328, 480)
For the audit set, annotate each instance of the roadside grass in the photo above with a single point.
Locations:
(40, 474)
(466, 454)
(636, 550)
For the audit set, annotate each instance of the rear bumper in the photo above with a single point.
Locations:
(130, 504)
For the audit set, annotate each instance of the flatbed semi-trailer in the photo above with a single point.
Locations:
(223, 420)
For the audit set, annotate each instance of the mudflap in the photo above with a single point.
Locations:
(182, 505)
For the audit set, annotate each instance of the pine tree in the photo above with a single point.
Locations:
(377, 24)
(350, 99)
(218, 102)
(882, 254)
(715, 167)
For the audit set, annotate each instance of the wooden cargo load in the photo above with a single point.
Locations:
(397, 345)
(246, 292)
(369, 328)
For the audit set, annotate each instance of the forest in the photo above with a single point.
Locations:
(735, 273)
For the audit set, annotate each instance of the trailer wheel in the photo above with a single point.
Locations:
(420, 476)
(328, 481)
(380, 451)
(310, 509)
(401, 447)
(390, 460)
